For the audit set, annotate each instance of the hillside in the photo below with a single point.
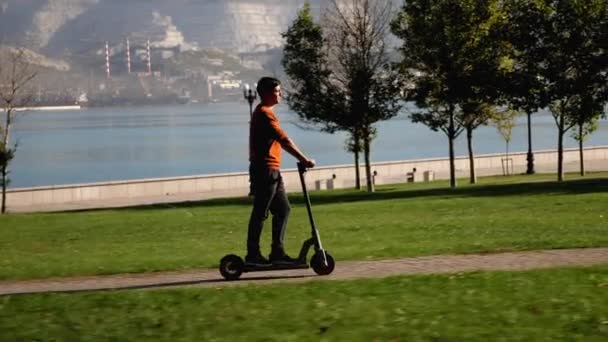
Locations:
(59, 26)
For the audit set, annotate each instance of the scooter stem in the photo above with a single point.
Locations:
(301, 169)
(315, 233)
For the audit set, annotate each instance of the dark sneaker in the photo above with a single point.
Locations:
(256, 260)
(280, 258)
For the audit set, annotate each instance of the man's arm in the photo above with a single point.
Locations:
(291, 147)
(286, 142)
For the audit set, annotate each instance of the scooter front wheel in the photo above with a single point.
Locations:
(317, 264)
(231, 267)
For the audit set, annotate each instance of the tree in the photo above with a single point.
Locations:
(440, 117)
(576, 69)
(340, 72)
(586, 122)
(560, 110)
(505, 121)
(309, 92)
(581, 112)
(474, 114)
(353, 145)
(15, 74)
(580, 135)
(455, 58)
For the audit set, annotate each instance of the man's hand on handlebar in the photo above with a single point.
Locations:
(308, 163)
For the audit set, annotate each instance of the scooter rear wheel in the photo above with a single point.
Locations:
(231, 267)
(316, 262)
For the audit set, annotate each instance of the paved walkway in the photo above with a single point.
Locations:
(344, 270)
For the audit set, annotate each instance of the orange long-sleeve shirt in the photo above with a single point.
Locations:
(265, 138)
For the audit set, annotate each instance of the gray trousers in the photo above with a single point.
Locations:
(269, 195)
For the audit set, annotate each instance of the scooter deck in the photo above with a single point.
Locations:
(271, 267)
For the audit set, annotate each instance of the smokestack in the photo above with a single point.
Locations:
(149, 57)
(128, 56)
(107, 61)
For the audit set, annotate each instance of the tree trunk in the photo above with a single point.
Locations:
(560, 149)
(368, 166)
(4, 181)
(507, 158)
(357, 173)
(530, 155)
(357, 141)
(473, 176)
(580, 149)
(5, 141)
(7, 125)
(451, 134)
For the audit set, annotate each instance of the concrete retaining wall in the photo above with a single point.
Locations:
(161, 190)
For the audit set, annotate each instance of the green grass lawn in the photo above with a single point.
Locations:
(500, 213)
(548, 305)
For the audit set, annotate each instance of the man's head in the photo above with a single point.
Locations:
(269, 89)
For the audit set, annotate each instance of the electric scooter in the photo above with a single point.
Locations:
(232, 266)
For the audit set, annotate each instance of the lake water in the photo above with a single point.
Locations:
(106, 144)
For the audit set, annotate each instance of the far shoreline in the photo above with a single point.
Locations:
(45, 108)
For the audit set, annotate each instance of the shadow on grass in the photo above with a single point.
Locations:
(581, 186)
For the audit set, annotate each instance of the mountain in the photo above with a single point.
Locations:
(57, 27)
(188, 40)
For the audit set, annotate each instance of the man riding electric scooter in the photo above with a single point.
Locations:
(266, 140)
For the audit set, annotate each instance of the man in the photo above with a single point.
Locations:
(266, 140)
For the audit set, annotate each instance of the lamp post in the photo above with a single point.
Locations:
(530, 155)
(249, 95)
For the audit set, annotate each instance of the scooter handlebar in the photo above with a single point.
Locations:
(304, 166)
(301, 167)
